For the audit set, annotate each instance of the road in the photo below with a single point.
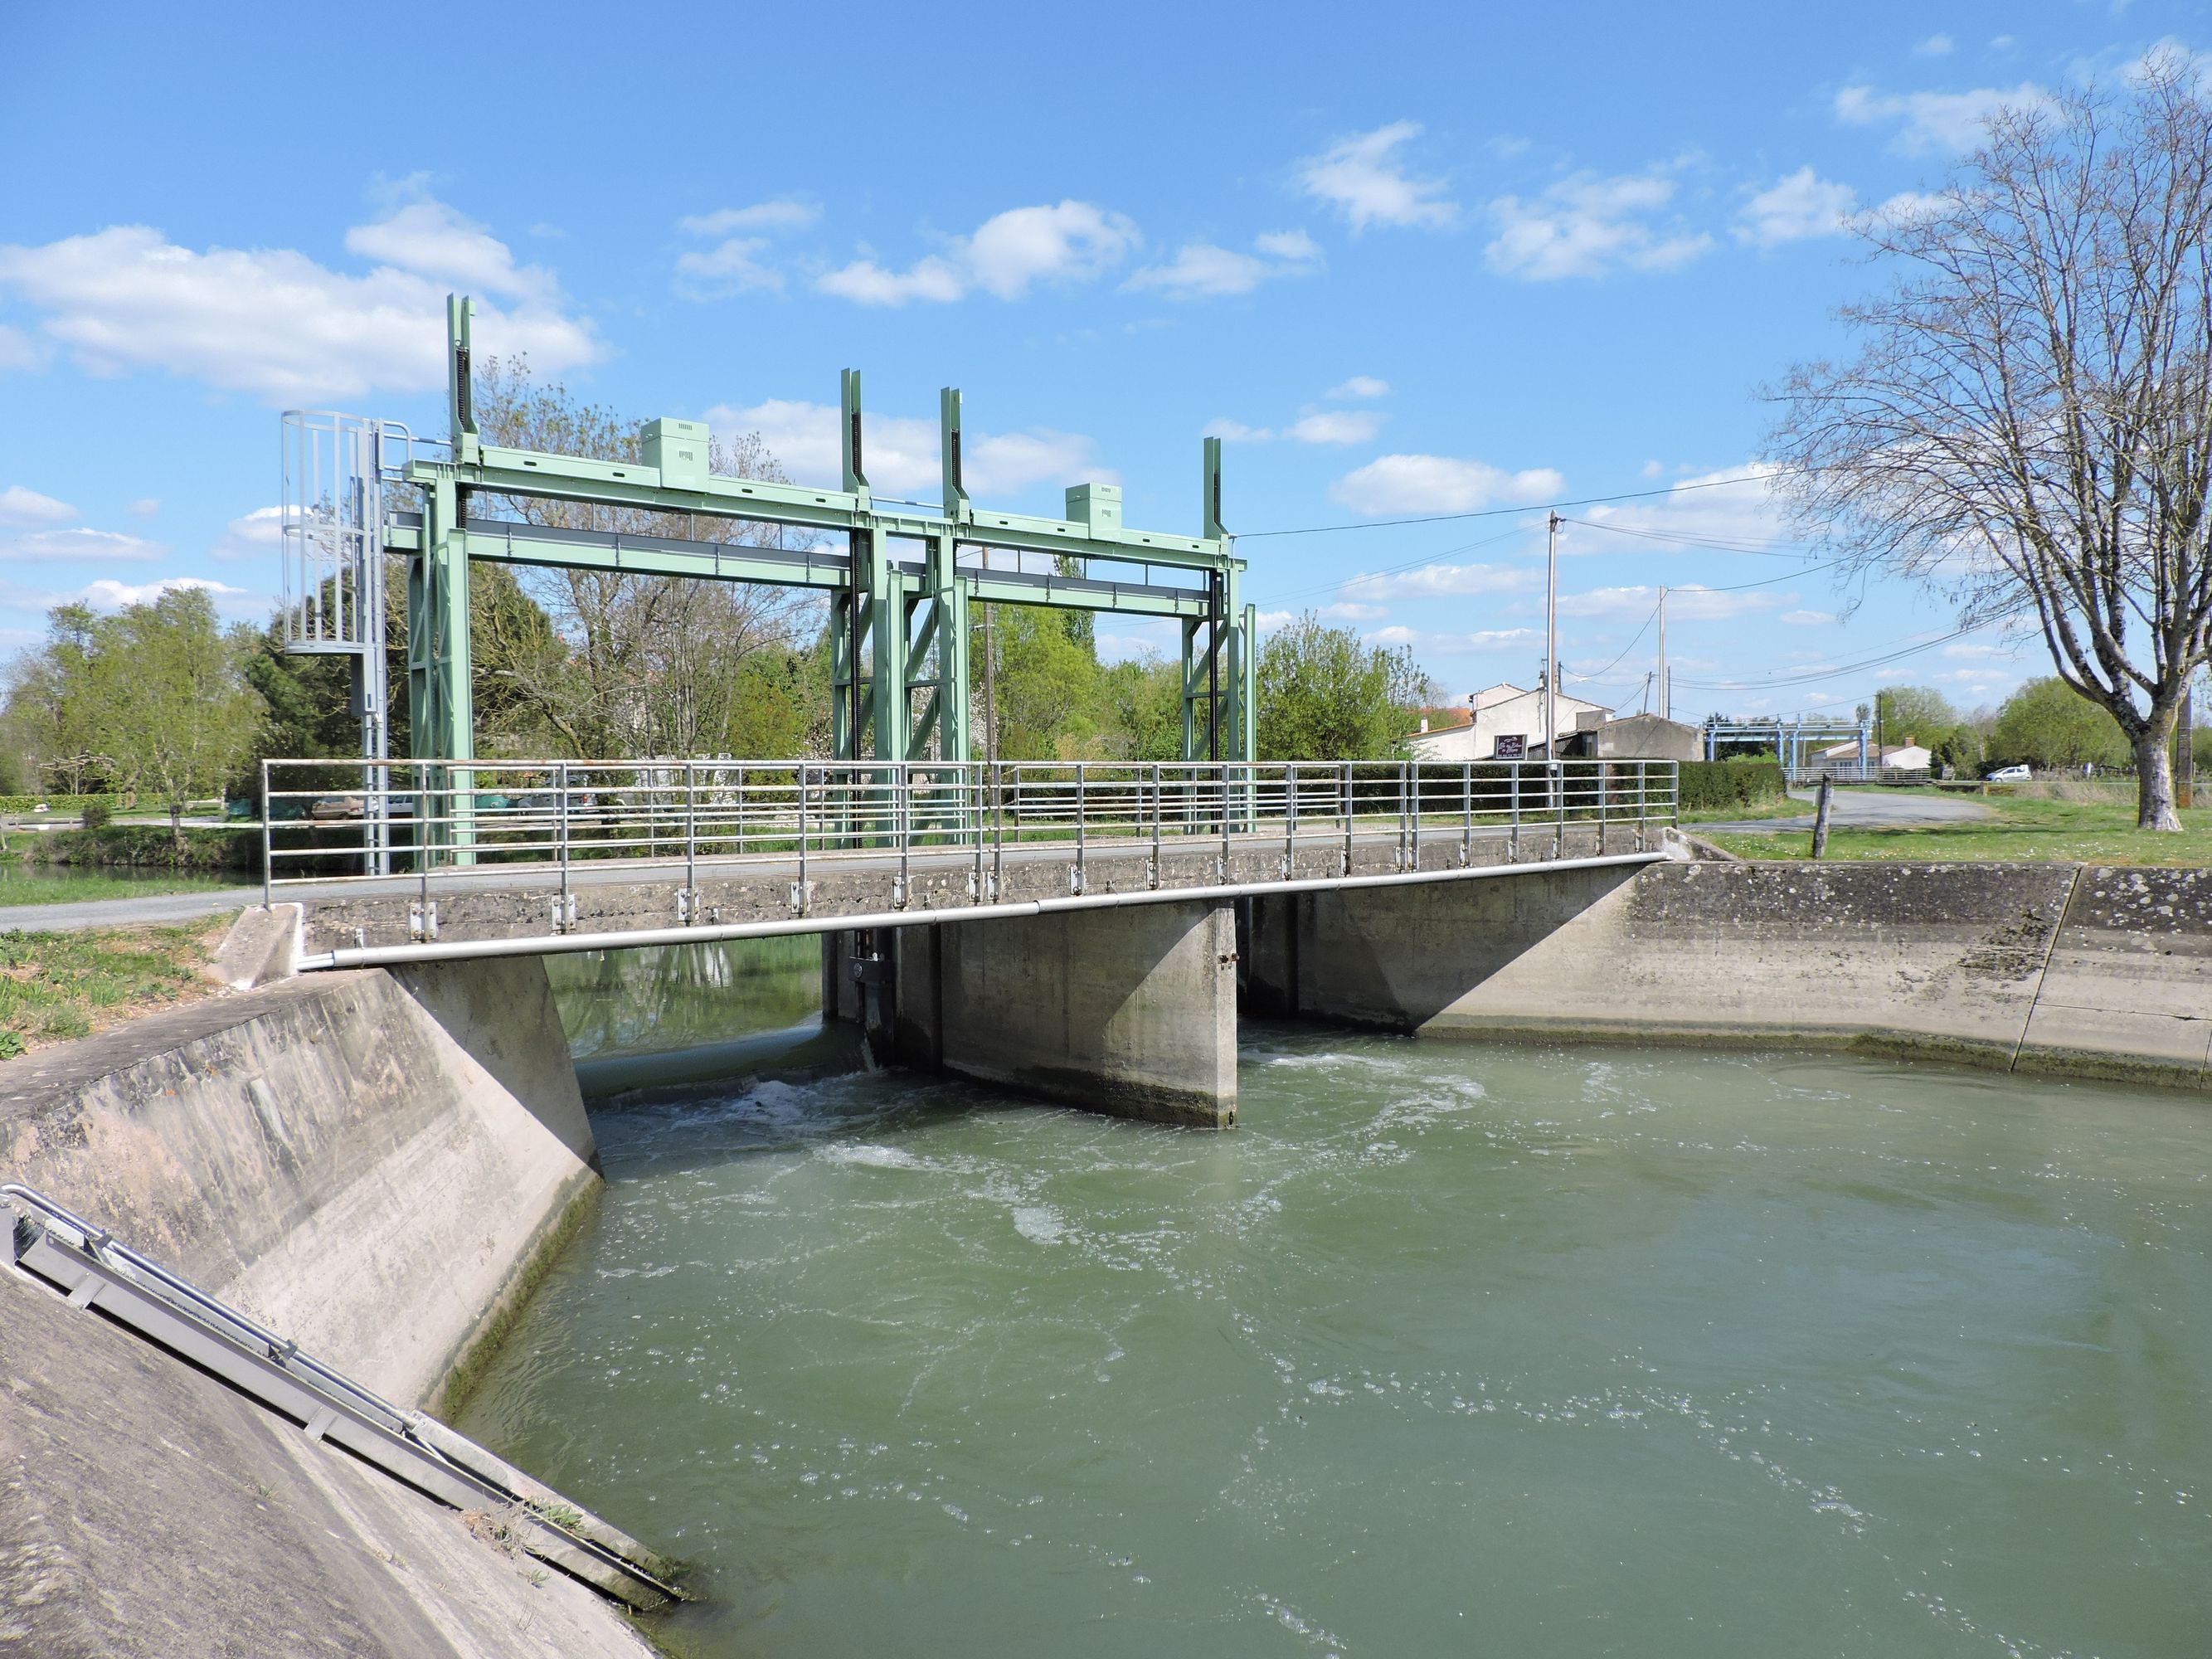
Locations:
(1862, 809)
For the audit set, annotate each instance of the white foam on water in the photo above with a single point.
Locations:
(870, 1156)
(1039, 1223)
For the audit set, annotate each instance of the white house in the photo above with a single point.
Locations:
(1906, 757)
(1507, 724)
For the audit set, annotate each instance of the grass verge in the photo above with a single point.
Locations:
(2019, 830)
(54, 987)
(20, 886)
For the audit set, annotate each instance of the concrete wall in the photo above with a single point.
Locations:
(371, 1164)
(148, 1512)
(1130, 1011)
(2091, 972)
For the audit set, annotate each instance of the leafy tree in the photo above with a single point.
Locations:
(2028, 426)
(1907, 713)
(50, 718)
(169, 699)
(2046, 723)
(1325, 694)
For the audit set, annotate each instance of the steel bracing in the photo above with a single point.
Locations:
(901, 578)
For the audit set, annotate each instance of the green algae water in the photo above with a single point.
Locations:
(1447, 1349)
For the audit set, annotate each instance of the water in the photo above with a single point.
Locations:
(1448, 1349)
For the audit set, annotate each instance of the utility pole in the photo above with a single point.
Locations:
(1666, 684)
(1551, 641)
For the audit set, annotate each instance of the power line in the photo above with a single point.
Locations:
(1778, 680)
(1710, 543)
(1625, 650)
(1502, 512)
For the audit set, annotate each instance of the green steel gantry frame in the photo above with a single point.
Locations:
(900, 640)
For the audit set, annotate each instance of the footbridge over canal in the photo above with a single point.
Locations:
(1083, 931)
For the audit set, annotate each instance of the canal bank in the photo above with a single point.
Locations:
(377, 1166)
(2078, 970)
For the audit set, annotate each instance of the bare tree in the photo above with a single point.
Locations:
(652, 663)
(2028, 425)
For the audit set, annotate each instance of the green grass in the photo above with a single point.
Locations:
(54, 987)
(20, 886)
(2019, 830)
(1784, 808)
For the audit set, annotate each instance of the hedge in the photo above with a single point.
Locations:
(60, 805)
(1717, 786)
(149, 846)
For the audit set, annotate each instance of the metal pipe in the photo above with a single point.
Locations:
(379, 956)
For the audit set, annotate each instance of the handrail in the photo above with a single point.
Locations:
(420, 820)
(96, 1268)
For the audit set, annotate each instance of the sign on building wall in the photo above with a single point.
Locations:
(1512, 745)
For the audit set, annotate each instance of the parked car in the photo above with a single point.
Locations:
(2011, 775)
(328, 807)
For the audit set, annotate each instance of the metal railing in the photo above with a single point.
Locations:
(428, 822)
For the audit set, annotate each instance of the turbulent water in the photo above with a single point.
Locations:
(1447, 1349)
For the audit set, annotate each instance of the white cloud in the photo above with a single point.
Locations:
(428, 238)
(731, 266)
(1362, 177)
(144, 507)
(734, 265)
(1067, 243)
(1315, 426)
(251, 535)
(780, 214)
(1688, 603)
(19, 506)
(1433, 581)
(1235, 432)
(1933, 120)
(1073, 241)
(40, 546)
(1451, 645)
(901, 454)
(1735, 510)
(1361, 386)
(1585, 225)
(1440, 484)
(866, 282)
(1200, 269)
(19, 352)
(1800, 204)
(1808, 618)
(1337, 426)
(273, 322)
(108, 594)
(1935, 45)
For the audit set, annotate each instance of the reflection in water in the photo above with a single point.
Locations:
(685, 1014)
(1449, 1349)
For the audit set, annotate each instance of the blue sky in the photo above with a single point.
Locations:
(1409, 261)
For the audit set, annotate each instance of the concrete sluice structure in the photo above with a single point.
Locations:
(377, 1162)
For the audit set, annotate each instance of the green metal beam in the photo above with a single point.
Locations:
(878, 663)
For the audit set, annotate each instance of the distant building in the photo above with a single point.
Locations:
(1507, 723)
(1647, 737)
(1906, 757)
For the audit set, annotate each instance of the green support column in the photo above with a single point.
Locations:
(886, 600)
(945, 588)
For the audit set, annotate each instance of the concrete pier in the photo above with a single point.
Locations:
(1130, 1011)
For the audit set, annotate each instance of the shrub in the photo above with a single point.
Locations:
(96, 815)
(1717, 786)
